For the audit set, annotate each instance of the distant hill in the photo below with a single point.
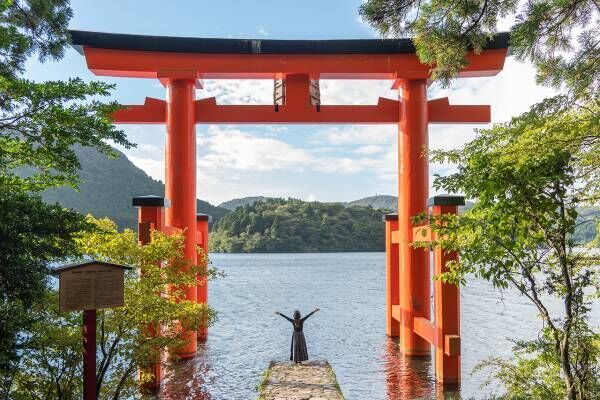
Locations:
(278, 225)
(379, 202)
(108, 186)
(235, 203)
(382, 202)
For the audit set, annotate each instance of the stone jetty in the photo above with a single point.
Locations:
(310, 380)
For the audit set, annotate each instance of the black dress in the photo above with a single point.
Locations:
(298, 351)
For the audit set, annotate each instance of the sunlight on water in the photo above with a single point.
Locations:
(349, 331)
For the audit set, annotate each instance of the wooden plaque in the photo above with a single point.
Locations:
(91, 286)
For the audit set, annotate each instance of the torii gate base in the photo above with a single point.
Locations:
(151, 218)
(444, 331)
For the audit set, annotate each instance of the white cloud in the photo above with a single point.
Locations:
(152, 166)
(369, 149)
(345, 91)
(359, 134)
(230, 148)
(238, 91)
(262, 31)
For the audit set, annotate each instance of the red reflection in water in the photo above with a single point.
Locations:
(412, 378)
(189, 379)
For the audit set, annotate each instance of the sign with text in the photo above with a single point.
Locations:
(91, 286)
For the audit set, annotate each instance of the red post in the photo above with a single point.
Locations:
(202, 221)
(180, 178)
(447, 304)
(392, 277)
(413, 185)
(151, 216)
(89, 355)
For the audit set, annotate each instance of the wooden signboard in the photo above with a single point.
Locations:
(90, 286)
(86, 287)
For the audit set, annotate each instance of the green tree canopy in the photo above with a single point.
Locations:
(40, 122)
(51, 365)
(278, 225)
(559, 36)
(529, 177)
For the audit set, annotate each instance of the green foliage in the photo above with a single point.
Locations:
(40, 122)
(235, 203)
(558, 36)
(32, 235)
(50, 366)
(530, 177)
(533, 372)
(31, 27)
(278, 225)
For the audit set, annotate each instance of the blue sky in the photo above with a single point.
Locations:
(312, 162)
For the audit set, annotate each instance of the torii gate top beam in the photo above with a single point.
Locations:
(142, 56)
(295, 61)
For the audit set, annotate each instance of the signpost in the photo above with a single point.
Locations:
(87, 287)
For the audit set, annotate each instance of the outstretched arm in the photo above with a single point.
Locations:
(318, 309)
(286, 317)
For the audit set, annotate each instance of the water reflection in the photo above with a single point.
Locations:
(190, 379)
(413, 377)
(349, 331)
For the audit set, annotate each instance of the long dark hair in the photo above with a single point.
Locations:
(297, 314)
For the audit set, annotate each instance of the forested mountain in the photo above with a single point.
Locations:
(278, 225)
(380, 202)
(108, 186)
(258, 223)
(235, 203)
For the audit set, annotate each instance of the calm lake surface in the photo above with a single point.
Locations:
(349, 331)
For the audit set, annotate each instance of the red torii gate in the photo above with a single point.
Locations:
(181, 64)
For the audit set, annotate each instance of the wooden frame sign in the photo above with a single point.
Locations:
(90, 285)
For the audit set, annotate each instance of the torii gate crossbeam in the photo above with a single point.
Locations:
(181, 64)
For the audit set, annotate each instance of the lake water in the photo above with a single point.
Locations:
(349, 331)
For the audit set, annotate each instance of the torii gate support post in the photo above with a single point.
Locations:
(447, 303)
(392, 278)
(413, 186)
(180, 179)
(202, 221)
(151, 217)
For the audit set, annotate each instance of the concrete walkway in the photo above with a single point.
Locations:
(311, 380)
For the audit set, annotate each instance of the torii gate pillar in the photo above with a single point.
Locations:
(413, 186)
(180, 178)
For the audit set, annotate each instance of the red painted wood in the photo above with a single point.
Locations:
(447, 314)
(150, 219)
(180, 180)
(392, 279)
(202, 287)
(153, 64)
(413, 187)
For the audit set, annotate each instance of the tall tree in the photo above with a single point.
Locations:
(559, 36)
(39, 124)
(529, 177)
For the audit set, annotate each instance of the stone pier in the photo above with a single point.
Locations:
(311, 380)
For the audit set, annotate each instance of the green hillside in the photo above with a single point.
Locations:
(235, 203)
(380, 202)
(278, 225)
(256, 224)
(108, 186)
